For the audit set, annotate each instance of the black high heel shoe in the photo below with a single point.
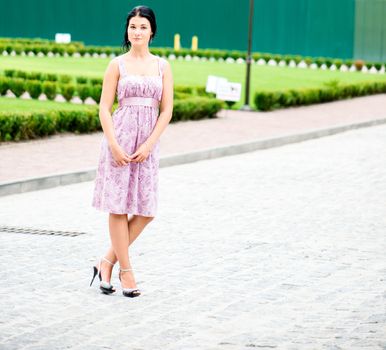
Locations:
(129, 292)
(104, 286)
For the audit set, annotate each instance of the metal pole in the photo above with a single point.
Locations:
(246, 106)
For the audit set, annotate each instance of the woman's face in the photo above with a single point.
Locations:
(139, 31)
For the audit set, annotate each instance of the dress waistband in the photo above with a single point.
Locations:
(139, 101)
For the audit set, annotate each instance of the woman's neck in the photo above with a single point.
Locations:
(139, 53)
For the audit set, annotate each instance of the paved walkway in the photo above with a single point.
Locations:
(282, 248)
(70, 153)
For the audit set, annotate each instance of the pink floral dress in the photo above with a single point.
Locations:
(131, 189)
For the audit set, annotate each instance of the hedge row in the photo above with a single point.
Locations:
(44, 47)
(266, 101)
(53, 77)
(36, 87)
(22, 126)
(64, 78)
(35, 41)
(68, 90)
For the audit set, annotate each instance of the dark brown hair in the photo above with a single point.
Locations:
(142, 11)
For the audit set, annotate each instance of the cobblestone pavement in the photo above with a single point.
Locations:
(276, 249)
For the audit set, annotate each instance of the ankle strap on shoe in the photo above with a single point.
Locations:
(123, 270)
(107, 261)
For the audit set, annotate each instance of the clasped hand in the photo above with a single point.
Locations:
(122, 158)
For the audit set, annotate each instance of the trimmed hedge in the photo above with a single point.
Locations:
(39, 46)
(266, 101)
(195, 108)
(14, 82)
(30, 125)
(50, 88)
(23, 126)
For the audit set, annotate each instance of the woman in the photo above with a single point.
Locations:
(127, 173)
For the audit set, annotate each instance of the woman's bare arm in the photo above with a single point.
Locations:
(110, 81)
(166, 107)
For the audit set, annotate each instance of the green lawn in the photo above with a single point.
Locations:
(195, 73)
(21, 105)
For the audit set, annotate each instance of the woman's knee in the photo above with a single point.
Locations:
(145, 219)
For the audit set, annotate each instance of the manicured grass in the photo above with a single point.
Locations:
(21, 105)
(196, 73)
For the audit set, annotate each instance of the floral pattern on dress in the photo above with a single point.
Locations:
(133, 188)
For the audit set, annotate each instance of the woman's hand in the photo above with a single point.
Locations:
(141, 153)
(120, 156)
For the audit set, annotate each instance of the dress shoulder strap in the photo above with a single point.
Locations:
(161, 65)
(121, 65)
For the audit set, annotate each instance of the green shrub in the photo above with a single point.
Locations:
(84, 91)
(328, 62)
(266, 101)
(67, 91)
(20, 74)
(96, 92)
(65, 79)
(201, 91)
(338, 63)
(256, 56)
(9, 73)
(96, 81)
(34, 76)
(34, 88)
(319, 61)
(368, 64)
(81, 80)
(184, 88)
(4, 85)
(17, 86)
(49, 89)
(195, 108)
(308, 60)
(181, 95)
(52, 77)
(287, 59)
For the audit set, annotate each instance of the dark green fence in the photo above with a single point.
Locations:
(329, 28)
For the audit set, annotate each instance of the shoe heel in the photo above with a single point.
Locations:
(93, 277)
(104, 286)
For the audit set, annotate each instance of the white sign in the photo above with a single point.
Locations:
(227, 91)
(63, 38)
(213, 82)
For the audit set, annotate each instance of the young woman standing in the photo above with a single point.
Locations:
(127, 175)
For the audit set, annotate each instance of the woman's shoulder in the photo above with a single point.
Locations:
(114, 62)
(117, 59)
(163, 61)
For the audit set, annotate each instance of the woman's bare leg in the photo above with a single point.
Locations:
(135, 226)
(119, 235)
